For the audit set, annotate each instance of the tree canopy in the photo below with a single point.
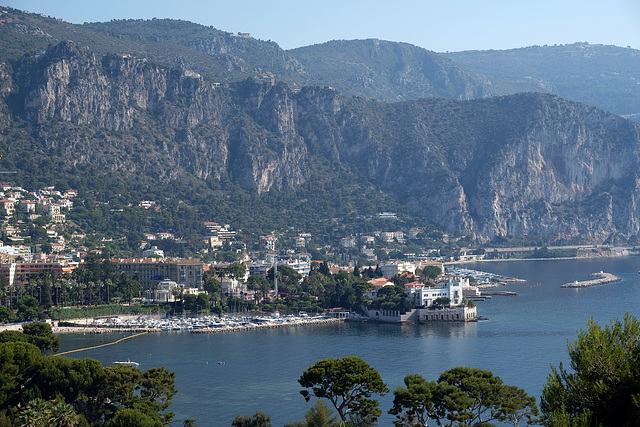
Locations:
(36, 333)
(348, 383)
(603, 386)
(37, 389)
(259, 419)
(463, 396)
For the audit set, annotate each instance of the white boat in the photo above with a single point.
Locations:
(128, 362)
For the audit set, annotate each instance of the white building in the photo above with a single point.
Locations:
(387, 236)
(164, 293)
(214, 241)
(386, 215)
(301, 266)
(153, 251)
(268, 241)
(397, 267)
(348, 242)
(450, 287)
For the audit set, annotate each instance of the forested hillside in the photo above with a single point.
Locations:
(602, 76)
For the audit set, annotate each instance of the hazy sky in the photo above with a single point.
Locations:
(439, 25)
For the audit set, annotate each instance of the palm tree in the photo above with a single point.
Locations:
(3, 293)
(108, 283)
(57, 284)
(177, 293)
(32, 285)
(63, 415)
(11, 289)
(20, 292)
(78, 289)
(99, 284)
(36, 413)
(91, 288)
(32, 418)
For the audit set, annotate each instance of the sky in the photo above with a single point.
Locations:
(437, 25)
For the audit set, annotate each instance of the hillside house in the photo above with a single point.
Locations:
(268, 241)
(376, 285)
(8, 206)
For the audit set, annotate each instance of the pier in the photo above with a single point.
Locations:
(503, 293)
(602, 279)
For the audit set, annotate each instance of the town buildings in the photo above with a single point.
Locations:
(151, 271)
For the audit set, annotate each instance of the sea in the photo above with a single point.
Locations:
(222, 375)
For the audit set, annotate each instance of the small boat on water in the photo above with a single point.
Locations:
(128, 362)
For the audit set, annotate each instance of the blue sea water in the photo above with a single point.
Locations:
(523, 337)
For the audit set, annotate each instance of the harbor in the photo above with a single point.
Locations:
(202, 324)
(483, 279)
(602, 279)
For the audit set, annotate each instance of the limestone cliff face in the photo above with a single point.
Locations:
(181, 123)
(522, 164)
(564, 176)
(527, 164)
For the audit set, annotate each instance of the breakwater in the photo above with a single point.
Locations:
(601, 279)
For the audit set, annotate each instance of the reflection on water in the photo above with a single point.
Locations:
(521, 339)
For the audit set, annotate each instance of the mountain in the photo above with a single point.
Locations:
(374, 69)
(524, 164)
(220, 56)
(240, 55)
(389, 71)
(598, 75)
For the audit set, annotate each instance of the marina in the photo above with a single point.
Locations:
(201, 325)
(483, 279)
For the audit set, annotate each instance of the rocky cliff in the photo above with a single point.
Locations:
(515, 165)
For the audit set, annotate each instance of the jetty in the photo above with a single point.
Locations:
(601, 278)
(503, 293)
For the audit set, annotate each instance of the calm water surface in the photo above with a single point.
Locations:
(523, 336)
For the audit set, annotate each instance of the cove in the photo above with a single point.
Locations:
(523, 336)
